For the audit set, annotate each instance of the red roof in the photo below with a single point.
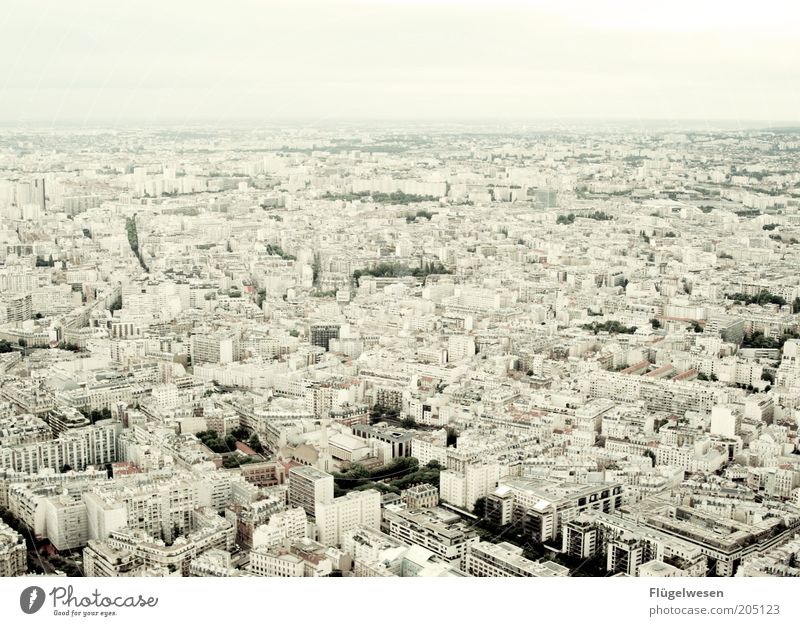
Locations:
(243, 447)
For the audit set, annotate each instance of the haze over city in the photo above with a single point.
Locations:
(185, 62)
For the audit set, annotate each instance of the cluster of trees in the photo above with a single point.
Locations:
(347, 197)
(655, 323)
(357, 471)
(224, 445)
(255, 443)
(133, 241)
(5, 346)
(379, 411)
(712, 377)
(406, 471)
(276, 250)
(761, 298)
(790, 240)
(65, 345)
(600, 216)
(70, 568)
(395, 197)
(426, 474)
(95, 416)
(240, 433)
(232, 461)
(212, 441)
(611, 326)
(769, 226)
(759, 340)
(412, 217)
(565, 219)
(182, 210)
(430, 267)
(397, 270)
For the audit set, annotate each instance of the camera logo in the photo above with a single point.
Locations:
(31, 600)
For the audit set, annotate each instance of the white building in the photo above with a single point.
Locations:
(309, 487)
(462, 489)
(357, 508)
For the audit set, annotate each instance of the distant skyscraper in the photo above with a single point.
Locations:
(30, 192)
(39, 198)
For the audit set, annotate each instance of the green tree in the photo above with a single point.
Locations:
(276, 250)
(255, 443)
(610, 326)
(133, 240)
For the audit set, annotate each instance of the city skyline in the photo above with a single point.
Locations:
(399, 351)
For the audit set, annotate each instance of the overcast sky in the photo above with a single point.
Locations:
(99, 61)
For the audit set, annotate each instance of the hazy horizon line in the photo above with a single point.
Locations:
(310, 121)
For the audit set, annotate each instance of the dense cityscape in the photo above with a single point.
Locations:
(400, 351)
